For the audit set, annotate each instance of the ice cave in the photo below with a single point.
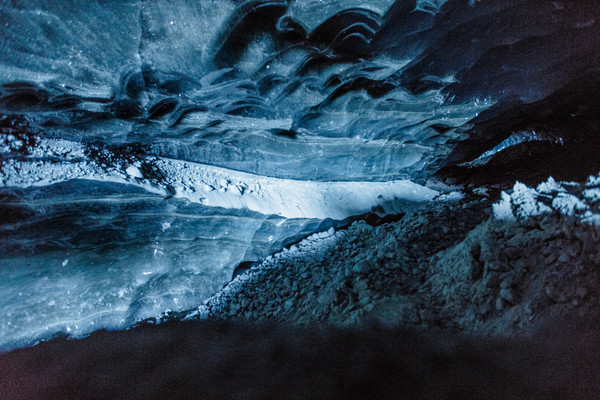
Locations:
(300, 199)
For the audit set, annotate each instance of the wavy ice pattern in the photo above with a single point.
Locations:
(146, 148)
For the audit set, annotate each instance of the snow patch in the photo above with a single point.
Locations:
(219, 187)
(566, 198)
(503, 209)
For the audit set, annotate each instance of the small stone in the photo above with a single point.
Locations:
(492, 280)
(485, 308)
(575, 302)
(288, 304)
(499, 304)
(552, 294)
(574, 251)
(360, 286)
(513, 253)
(508, 294)
(581, 292)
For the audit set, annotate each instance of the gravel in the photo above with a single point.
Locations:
(459, 264)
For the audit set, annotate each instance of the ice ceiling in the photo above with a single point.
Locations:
(147, 147)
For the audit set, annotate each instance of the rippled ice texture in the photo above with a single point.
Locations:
(118, 101)
(83, 255)
(146, 148)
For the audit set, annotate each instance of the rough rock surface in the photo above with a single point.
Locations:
(461, 264)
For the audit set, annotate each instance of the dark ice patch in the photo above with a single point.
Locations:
(291, 30)
(503, 48)
(125, 108)
(532, 68)
(11, 209)
(347, 33)
(181, 112)
(269, 82)
(248, 21)
(162, 108)
(227, 75)
(28, 96)
(243, 267)
(566, 121)
(133, 83)
(289, 133)
(401, 25)
(169, 82)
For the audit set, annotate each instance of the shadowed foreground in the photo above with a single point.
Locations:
(209, 360)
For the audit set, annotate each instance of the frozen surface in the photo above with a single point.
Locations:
(146, 148)
(218, 187)
(83, 255)
(577, 200)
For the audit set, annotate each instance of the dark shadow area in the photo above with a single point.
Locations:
(215, 360)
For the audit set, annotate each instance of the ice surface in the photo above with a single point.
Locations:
(140, 173)
(219, 187)
(146, 148)
(314, 12)
(513, 140)
(84, 255)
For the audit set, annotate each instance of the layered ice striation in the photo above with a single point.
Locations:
(82, 255)
(146, 148)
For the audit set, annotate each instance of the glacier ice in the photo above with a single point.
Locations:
(146, 148)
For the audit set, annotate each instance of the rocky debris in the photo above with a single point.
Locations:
(448, 264)
(509, 275)
(354, 275)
